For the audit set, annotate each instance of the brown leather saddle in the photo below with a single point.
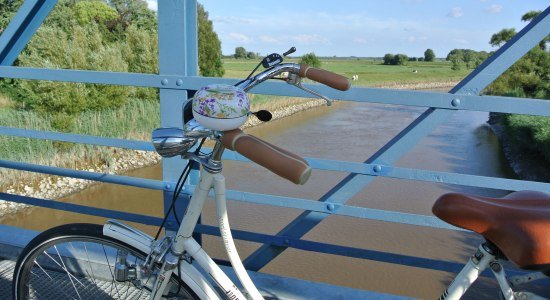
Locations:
(518, 224)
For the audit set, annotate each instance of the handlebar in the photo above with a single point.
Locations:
(328, 78)
(281, 162)
(325, 77)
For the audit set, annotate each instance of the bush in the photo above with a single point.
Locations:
(397, 59)
(311, 60)
(429, 55)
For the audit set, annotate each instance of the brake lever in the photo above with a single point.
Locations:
(296, 81)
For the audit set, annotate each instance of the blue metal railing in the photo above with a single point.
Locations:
(178, 74)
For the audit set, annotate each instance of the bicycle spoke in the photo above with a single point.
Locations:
(49, 277)
(67, 271)
(113, 282)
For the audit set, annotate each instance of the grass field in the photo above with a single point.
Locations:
(370, 72)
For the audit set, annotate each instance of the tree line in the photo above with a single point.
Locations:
(113, 35)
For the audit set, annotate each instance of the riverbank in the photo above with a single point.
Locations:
(525, 165)
(124, 160)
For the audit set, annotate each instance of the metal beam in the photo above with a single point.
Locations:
(361, 94)
(525, 40)
(22, 27)
(77, 138)
(178, 54)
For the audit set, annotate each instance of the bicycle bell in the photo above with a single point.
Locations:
(221, 107)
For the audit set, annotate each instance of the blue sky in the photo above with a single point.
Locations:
(363, 28)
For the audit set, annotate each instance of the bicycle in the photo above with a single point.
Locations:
(78, 260)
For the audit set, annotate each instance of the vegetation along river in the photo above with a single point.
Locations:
(350, 132)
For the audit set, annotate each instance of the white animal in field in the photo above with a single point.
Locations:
(355, 77)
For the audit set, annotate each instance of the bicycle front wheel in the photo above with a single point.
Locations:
(76, 261)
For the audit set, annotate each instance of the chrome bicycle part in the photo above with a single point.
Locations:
(296, 81)
(248, 84)
(171, 141)
(195, 130)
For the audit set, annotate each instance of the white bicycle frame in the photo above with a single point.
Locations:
(184, 243)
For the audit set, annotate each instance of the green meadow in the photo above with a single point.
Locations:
(370, 72)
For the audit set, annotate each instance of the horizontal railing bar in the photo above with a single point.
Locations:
(316, 163)
(101, 177)
(335, 209)
(76, 138)
(319, 247)
(273, 200)
(464, 179)
(305, 245)
(359, 94)
(415, 174)
(289, 202)
(320, 164)
(82, 209)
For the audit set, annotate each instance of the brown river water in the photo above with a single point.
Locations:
(350, 132)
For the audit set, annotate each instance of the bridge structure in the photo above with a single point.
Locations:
(178, 76)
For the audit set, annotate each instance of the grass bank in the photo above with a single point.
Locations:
(135, 120)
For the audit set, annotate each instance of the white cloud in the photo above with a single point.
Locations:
(152, 4)
(456, 12)
(239, 37)
(494, 9)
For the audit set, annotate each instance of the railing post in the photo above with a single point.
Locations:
(178, 55)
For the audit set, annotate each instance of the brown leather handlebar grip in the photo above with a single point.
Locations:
(279, 161)
(333, 80)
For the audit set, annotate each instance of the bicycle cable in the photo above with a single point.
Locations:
(177, 190)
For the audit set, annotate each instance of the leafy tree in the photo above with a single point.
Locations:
(397, 59)
(210, 47)
(311, 60)
(456, 60)
(240, 52)
(429, 55)
(530, 15)
(134, 12)
(113, 35)
(388, 59)
(469, 57)
(251, 55)
(94, 11)
(502, 37)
